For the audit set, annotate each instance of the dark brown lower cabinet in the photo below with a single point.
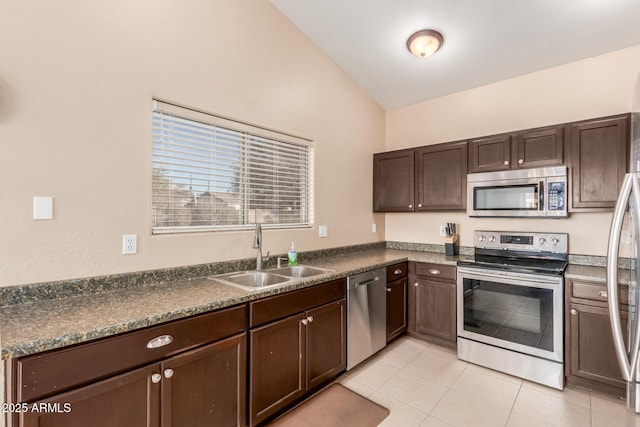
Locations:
(292, 356)
(436, 302)
(432, 303)
(590, 359)
(396, 308)
(201, 387)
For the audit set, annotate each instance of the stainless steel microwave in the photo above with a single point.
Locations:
(539, 192)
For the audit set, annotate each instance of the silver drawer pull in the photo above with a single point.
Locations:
(434, 271)
(416, 284)
(388, 289)
(160, 341)
(397, 271)
(574, 311)
(168, 373)
(155, 378)
(603, 294)
(310, 319)
(305, 322)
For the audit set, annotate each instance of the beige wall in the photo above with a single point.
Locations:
(594, 87)
(76, 83)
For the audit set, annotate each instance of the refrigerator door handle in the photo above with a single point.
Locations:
(627, 366)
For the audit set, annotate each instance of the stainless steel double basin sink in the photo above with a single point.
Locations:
(255, 280)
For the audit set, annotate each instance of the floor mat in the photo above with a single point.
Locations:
(332, 407)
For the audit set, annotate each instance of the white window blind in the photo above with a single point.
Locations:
(211, 173)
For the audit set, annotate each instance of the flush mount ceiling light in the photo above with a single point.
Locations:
(424, 43)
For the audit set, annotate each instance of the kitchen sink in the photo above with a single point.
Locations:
(255, 280)
(299, 271)
(252, 280)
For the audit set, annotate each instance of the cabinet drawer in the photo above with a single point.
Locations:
(596, 291)
(279, 306)
(51, 372)
(396, 271)
(436, 271)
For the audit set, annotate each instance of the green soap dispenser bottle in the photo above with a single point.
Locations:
(292, 257)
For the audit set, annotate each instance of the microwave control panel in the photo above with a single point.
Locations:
(556, 196)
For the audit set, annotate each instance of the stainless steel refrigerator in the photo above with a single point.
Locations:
(623, 248)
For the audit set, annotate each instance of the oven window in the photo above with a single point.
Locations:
(518, 314)
(506, 197)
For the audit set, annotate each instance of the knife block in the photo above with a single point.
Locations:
(451, 245)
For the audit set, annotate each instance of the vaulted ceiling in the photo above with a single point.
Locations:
(484, 40)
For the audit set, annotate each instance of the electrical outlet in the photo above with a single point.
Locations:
(129, 244)
(323, 231)
(374, 228)
(443, 230)
(626, 238)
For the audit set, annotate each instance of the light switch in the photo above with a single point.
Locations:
(322, 231)
(43, 208)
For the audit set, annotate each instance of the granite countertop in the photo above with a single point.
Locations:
(45, 325)
(595, 274)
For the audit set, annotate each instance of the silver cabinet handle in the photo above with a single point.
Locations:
(410, 206)
(434, 271)
(506, 162)
(397, 271)
(155, 378)
(416, 284)
(310, 319)
(160, 341)
(521, 161)
(419, 205)
(168, 373)
(574, 311)
(388, 289)
(603, 294)
(305, 322)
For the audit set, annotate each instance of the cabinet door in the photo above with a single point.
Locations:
(396, 308)
(592, 354)
(441, 177)
(492, 153)
(598, 159)
(206, 387)
(393, 181)
(435, 308)
(539, 147)
(276, 366)
(326, 350)
(127, 400)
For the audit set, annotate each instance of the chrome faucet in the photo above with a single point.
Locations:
(257, 244)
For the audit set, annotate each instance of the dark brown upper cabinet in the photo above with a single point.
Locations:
(491, 153)
(525, 149)
(441, 177)
(598, 159)
(393, 181)
(539, 147)
(427, 178)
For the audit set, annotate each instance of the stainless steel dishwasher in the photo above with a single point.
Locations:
(366, 315)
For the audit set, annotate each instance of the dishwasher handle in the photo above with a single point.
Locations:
(364, 282)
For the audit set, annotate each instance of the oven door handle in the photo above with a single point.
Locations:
(541, 196)
(627, 365)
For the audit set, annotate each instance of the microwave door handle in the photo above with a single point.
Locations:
(541, 196)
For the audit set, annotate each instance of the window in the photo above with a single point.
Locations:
(211, 173)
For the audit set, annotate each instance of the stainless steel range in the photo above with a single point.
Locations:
(510, 304)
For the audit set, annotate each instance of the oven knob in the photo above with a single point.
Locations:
(492, 238)
(542, 241)
(481, 238)
(555, 241)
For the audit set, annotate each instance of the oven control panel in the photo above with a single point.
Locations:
(522, 241)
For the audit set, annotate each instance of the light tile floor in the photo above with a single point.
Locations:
(427, 386)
